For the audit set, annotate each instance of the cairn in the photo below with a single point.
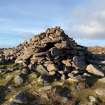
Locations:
(54, 54)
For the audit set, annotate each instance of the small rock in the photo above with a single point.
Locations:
(2, 93)
(61, 45)
(67, 62)
(71, 80)
(93, 70)
(100, 92)
(102, 80)
(24, 63)
(31, 66)
(79, 62)
(41, 70)
(75, 72)
(18, 61)
(63, 77)
(18, 80)
(55, 52)
(51, 67)
(25, 71)
(27, 53)
(86, 75)
(62, 91)
(52, 73)
(92, 99)
(34, 60)
(21, 98)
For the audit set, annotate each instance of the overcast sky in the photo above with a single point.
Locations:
(84, 20)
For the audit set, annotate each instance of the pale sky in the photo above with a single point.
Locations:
(84, 20)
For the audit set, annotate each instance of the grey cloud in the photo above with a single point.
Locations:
(88, 26)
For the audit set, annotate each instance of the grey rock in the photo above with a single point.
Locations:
(79, 62)
(100, 92)
(25, 71)
(21, 98)
(86, 75)
(92, 99)
(61, 45)
(75, 72)
(41, 69)
(18, 80)
(31, 66)
(55, 52)
(62, 91)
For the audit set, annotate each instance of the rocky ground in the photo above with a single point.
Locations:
(52, 69)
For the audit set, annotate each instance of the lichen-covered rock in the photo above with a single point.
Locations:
(41, 69)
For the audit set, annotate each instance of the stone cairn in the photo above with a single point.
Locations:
(52, 54)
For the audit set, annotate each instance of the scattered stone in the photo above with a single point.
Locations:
(47, 58)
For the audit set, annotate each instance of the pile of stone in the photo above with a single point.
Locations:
(53, 54)
(7, 55)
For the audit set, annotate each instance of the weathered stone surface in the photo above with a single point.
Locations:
(67, 62)
(41, 69)
(21, 98)
(93, 70)
(61, 45)
(18, 80)
(52, 73)
(100, 92)
(31, 66)
(55, 52)
(102, 80)
(79, 62)
(51, 67)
